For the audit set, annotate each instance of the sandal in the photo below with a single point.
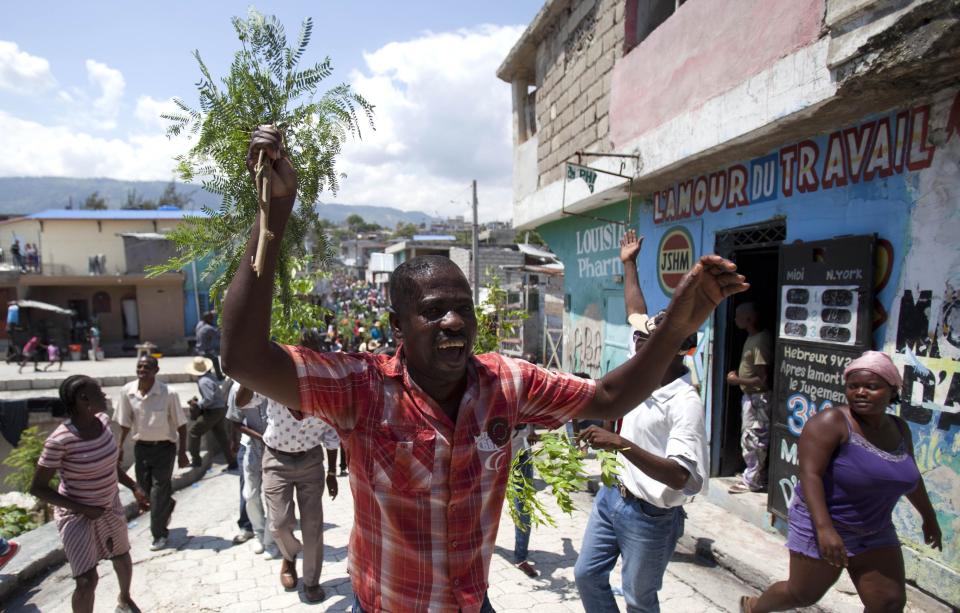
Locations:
(738, 488)
(745, 604)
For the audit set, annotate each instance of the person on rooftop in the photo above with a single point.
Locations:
(429, 429)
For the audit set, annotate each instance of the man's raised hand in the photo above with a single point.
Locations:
(283, 178)
(711, 280)
(630, 245)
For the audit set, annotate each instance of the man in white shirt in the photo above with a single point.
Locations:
(293, 460)
(663, 464)
(152, 413)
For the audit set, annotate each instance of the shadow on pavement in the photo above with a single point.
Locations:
(546, 562)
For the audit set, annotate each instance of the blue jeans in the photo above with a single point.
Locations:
(643, 534)
(486, 607)
(244, 522)
(522, 541)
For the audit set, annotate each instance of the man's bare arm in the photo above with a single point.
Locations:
(248, 354)
(711, 280)
(632, 294)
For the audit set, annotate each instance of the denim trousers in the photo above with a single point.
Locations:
(244, 522)
(522, 541)
(645, 535)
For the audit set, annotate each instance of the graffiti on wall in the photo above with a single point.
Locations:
(923, 336)
(878, 148)
(931, 382)
(587, 347)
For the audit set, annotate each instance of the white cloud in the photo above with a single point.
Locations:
(148, 111)
(23, 73)
(442, 118)
(110, 83)
(34, 149)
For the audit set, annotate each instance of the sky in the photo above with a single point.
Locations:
(82, 85)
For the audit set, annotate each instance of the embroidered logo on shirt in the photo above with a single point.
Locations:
(484, 443)
(498, 430)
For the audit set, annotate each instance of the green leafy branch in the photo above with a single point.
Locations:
(494, 320)
(264, 85)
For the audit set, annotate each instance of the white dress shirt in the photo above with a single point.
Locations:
(153, 417)
(287, 433)
(669, 424)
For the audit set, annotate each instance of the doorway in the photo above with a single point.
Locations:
(755, 250)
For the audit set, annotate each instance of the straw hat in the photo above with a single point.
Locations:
(200, 366)
(373, 344)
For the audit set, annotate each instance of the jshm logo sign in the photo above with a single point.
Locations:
(675, 257)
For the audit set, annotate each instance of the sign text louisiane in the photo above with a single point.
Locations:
(877, 148)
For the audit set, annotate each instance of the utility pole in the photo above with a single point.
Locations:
(476, 249)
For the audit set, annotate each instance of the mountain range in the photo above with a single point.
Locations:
(27, 195)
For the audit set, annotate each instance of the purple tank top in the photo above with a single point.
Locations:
(863, 483)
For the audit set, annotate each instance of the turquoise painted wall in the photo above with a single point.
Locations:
(881, 176)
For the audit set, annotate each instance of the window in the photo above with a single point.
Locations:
(101, 303)
(644, 16)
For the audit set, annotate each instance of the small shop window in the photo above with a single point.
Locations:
(101, 303)
(644, 16)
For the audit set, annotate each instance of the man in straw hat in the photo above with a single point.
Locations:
(428, 430)
(663, 464)
(208, 412)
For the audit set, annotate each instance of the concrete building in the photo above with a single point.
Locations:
(815, 142)
(95, 263)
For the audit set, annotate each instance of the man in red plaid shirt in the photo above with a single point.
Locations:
(428, 431)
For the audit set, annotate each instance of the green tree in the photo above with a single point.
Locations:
(531, 237)
(23, 460)
(94, 202)
(495, 321)
(264, 85)
(170, 195)
(137, 202)
(406, 230)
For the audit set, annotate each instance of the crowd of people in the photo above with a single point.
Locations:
(426, 431)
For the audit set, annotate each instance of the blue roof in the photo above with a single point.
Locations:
(115, 214)
(434, 237)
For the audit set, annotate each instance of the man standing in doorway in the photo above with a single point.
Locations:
(208, 341)
(152, 413)
(663, 464)
(208, 413)
(753, 378)
(428, 430)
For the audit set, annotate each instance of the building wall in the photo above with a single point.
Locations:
(904, 190)
(662, 77)
(161, 313)
(111, 324)
(574, 65)
(66, 245)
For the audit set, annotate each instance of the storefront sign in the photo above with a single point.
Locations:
(675, 257)
(588, 175)
(592, 245)
(878, 148)
(825, 301)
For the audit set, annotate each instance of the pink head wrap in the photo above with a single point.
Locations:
(879, 364)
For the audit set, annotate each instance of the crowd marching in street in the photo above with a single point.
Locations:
(391, 394)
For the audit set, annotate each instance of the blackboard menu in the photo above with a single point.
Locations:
(824, 323)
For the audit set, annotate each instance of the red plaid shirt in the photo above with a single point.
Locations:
(428, 492)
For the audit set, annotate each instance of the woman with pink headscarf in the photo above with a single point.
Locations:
(856, 461)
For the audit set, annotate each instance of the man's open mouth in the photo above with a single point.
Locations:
(451, 344)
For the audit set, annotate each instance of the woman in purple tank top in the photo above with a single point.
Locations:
(856, 461)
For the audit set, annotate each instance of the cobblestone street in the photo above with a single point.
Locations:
(202, 570)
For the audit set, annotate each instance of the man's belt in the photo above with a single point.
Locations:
(154, 443)
(287, 454)
(624, 492)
